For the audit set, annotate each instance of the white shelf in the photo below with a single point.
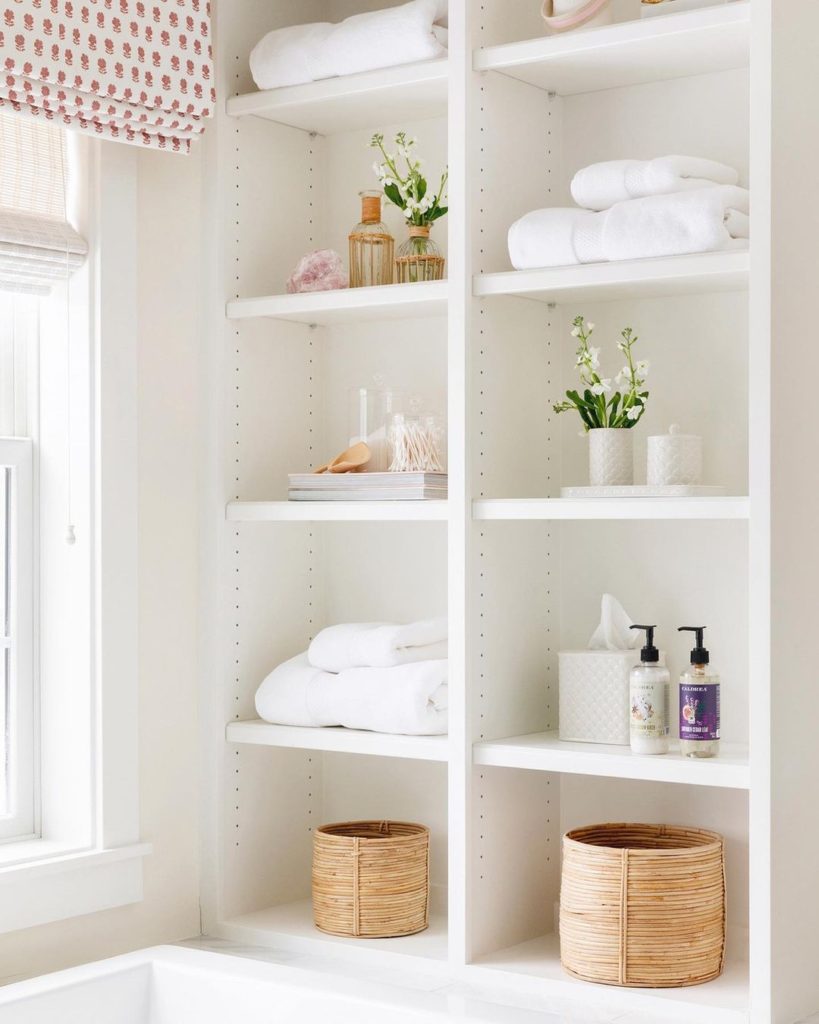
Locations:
(631, 53)
(534, 967)
(348, 741)
(410, 92)
(545, 752)
(336, 511)
(348, 305)
(290, 926)
(625, 279)
(610, 508)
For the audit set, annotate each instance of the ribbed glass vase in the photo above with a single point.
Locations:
(419, 258)
(371, 246)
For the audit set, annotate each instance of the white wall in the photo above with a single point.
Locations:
(169, 431)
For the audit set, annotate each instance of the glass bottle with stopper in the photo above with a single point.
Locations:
(371, 246)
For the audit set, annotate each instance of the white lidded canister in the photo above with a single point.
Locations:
(674, 458)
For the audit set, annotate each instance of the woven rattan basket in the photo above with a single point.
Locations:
(643, 905)
(371, 878)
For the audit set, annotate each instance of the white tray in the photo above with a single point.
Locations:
(644, 491)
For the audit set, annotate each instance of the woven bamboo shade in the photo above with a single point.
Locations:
(38, 247)
(371, 878)
(643, 905)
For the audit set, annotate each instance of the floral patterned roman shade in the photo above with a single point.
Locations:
(136, 71)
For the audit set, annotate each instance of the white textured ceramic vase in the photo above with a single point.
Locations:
(611, 457)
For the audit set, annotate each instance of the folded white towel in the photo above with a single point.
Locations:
(600, 186)
(363, 42)
(378, 644)
(408, 699)
(708, 220)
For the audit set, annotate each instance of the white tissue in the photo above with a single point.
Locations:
(614, 633)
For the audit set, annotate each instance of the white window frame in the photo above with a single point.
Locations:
(17, 645)
(88, 855)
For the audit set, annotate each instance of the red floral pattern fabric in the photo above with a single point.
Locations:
(140, 72)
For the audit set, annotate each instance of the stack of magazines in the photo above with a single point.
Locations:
(367, 486)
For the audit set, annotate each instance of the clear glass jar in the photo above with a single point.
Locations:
(416, 443)
(370, 410)
(371, 246)
(419, 258)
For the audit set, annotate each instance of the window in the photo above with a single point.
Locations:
(69, 811)
(18, 361)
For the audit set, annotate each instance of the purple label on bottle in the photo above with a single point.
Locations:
(699, 711)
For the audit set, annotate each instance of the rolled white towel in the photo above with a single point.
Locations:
(378, 644)
(546, 238)
(409, 700)
(363, 42)
(707, 220)
(600, 186)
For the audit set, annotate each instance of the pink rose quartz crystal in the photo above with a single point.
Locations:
(318, 271)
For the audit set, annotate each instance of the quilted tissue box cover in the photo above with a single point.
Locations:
(593, 688)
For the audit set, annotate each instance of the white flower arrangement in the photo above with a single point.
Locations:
(624, 408)
(408, 191)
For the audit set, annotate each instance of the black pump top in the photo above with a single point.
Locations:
(649, 652)
(699, 656)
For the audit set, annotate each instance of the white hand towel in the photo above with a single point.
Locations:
(707, 220)
(600, 186)
(409, 700)
(363, 42)
(378, 644)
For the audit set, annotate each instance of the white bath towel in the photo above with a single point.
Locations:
(378, 644)
(600, 186)
(363, 42)
(708, 220)
(408, 699)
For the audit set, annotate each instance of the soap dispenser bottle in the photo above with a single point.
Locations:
(649, 684)
(699, 702)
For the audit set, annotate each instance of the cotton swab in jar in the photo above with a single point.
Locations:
(415, 445)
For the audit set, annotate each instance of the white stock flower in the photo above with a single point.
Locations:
(594, 357)
(575, 332)
(641, 367)
(589, 327)
(634, 412)
(601, 388)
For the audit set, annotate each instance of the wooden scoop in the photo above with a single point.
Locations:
(351, 460)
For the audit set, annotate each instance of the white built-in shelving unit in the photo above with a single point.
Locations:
(519, 569)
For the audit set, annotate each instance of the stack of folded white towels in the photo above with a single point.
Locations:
(372, 675)
(415, 31)
(637, 209)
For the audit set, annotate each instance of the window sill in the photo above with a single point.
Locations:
(41, 881)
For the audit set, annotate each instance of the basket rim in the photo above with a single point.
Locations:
(329, 829)
(575, 837)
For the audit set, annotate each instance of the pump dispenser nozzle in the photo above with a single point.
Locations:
(649, 653)
(699, 655)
